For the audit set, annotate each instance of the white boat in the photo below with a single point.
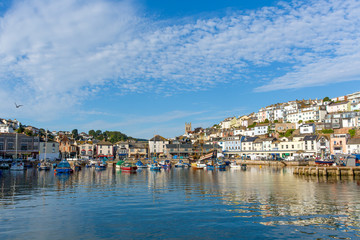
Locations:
(17, 166)
(93, 162)
(44, 165)
(234, 165)
(4, 166)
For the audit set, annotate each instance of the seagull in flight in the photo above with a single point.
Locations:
(17, 106)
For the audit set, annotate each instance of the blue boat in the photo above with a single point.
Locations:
(63, 167)
(139, 164)
(101, 165)
(166, 164)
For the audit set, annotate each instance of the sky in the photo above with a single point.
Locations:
(145, 67)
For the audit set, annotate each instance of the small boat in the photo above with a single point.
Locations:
(77, 166)
(166, 164)
(119, 164)
(129, 167)
(17, 166)
(63, 167)
(54, 165)
(155, 167)
(93, 162)
(44, 165)
(180, 164)
(234, 165)
(139, 164)
(101, 165)
(4, 166)
(200, 164)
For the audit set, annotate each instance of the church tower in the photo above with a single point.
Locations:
(187, 128)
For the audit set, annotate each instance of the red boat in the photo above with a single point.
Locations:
(128, 167)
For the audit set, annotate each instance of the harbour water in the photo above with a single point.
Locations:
(261, 202)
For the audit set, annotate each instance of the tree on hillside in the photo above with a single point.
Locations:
(75, 133)
(326, 99)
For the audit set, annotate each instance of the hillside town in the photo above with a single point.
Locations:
(297, 129)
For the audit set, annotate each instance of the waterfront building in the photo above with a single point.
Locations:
(232, 143)
(338, 143)
(67, 146)
(310, 145)
(323, 146)
(247, 143)
(122, 149)
(353, 146)
(177, 150)
(157, 145)
(50, 150)
(25, 146)
(86, 149)
(105, 149)
(138, 149)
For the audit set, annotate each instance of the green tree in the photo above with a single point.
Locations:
(326, 99)
(276, 121)
(352, 132)
(75, 133)
(266, 121)
(300, 121)
(327, 131)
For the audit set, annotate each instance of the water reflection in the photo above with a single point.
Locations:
(259, 196)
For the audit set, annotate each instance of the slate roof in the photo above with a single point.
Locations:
(354, 141)
(310, 138)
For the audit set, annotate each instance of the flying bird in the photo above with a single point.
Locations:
(17, 106)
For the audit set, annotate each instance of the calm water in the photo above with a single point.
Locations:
(181, 203)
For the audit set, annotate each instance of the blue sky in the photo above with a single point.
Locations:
(146, 67)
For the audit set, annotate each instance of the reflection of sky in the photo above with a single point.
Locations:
(101, 204)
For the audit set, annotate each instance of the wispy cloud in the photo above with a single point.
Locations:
(55, 54)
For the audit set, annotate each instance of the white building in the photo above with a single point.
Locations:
(353, 145)
(157, 145)
(4, 128)
(231, 144)
(261, 129)
(307, 128)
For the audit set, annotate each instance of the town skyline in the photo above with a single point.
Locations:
(147, 67)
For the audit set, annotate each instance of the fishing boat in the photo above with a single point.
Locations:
(324, 162)
(139, 164)
(119, 164)
(129, 167)
(17, 166)
(63, 167)
(101, 165)
(44, 165)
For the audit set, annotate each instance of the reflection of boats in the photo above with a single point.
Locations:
(128, 167)
(77, 166)
(139, 164)
(17, 166)
(44, 165)
(63, 167)
(234, 165)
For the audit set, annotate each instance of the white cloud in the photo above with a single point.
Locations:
(54, 54)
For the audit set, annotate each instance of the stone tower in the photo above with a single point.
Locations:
(187, 127)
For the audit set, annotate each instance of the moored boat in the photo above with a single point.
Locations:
(4, 166)
(17, 166)
(44, 165)
(128, 167)
(101, 165)
(119, 164)
(139, 164)
(63, 167)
